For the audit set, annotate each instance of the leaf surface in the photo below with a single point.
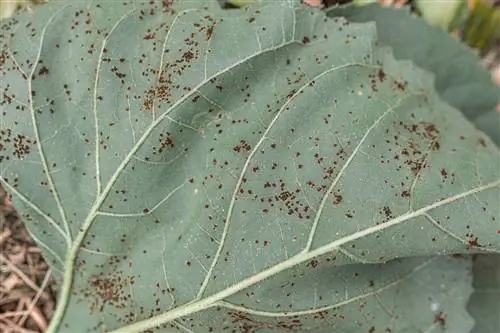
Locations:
(459, 79)
(175, 162)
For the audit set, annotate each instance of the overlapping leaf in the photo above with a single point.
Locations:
(463, 84)
(459, 79)
(239, 171)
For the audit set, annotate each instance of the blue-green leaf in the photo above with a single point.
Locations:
(267, 169)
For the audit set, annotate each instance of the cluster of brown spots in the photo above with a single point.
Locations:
(386, 210)
(111, 289)
(440, 319)
(375, 78)
(118, 74)
(285, 195)
(103, 141)
(174, 68)
(20, 145)
(43, 71)
(313, 263)
(288, 202)
(412, 154)
(405, 194)
(242, 147)
(247, 324)
(165, 142)
(296, 78)
(401, 85)
(472, 241)
(337, 198)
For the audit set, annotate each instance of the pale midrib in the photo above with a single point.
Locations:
(65, 293)
(94, 107)
(300, 258)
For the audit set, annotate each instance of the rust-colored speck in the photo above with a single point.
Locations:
(285, 195)
(440, 319)
(472, 242)
(401, 85)
(387, 211)
(188, 56)
(305, 40)
(444, 173)
(313, 263)
(43, 71)
(209, 32)
(337, 199)
(381, 75)
(242, 146)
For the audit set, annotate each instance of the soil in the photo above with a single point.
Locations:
(26, 291)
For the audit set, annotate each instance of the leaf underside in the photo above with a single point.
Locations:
(459, 81)
(193, 170)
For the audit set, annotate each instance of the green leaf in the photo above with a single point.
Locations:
(262, 169)
(459, 79)
(484, 304)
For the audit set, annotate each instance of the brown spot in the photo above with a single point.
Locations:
(242, 146)
(43, 71)
(209, 32)
(440, 319)
(285, 195)
(401, 85)
(188, 56)
(473, 242)
(387, 211)
(381, 75)
(313, 263)
(305, 40)
(337, 199)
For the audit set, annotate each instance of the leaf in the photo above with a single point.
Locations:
(484, 304)
(459, 79)
(175, 162)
